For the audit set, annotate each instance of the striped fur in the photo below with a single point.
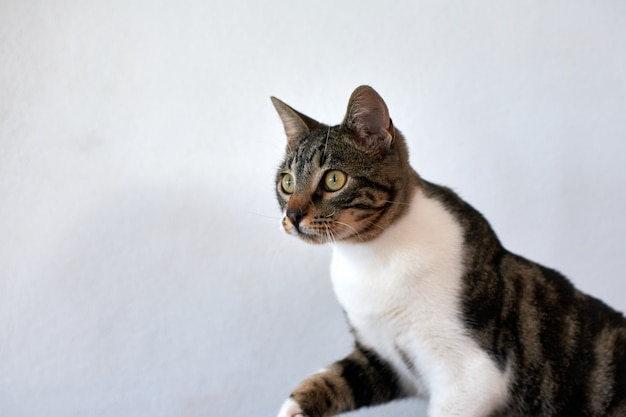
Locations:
(438, 307)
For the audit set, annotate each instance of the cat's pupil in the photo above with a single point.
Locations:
(287, 184)
(335, 180)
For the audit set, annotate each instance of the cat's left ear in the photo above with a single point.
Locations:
(368, 117)
(297, 125)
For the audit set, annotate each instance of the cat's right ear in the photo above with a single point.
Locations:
(368, 117)
(297, 125)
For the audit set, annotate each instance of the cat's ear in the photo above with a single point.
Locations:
(368, 117)
(297, 125)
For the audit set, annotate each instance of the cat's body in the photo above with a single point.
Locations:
(439, 309)
(414, 323)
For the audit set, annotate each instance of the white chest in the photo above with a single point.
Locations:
(401, 295)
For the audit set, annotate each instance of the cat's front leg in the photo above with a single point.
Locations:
(361, 379)
(291, 408)
(475, 387)
(323, 394)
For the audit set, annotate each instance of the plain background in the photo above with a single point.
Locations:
(142, 268)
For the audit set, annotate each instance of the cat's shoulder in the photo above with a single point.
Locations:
(428, 224)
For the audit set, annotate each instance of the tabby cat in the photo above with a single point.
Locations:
(438, 307)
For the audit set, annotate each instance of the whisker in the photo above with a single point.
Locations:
(356, 233)
(331, 235)
(374, 224)
(397, 202)
(328, 234)
(326, 144)
(265, 216)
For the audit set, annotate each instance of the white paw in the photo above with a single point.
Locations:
(290, 408)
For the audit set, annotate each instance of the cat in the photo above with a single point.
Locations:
(439, 309)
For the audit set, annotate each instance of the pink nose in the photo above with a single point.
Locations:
(295, 216)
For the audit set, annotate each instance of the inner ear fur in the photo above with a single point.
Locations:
(297, 125)
(368, 117)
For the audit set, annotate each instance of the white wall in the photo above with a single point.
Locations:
(142, 269)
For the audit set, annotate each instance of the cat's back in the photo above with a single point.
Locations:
(566, 350)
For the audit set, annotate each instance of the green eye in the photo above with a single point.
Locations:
(287, 184)
(334, 180)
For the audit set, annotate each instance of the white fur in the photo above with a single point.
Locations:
(290, 408)
(401, 291)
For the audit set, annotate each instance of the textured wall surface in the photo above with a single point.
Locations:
(142, 268)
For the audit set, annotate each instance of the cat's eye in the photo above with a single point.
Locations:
(287, 183)
(334, 180)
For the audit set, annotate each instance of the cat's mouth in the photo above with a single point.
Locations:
(309, 236)
(305, 233)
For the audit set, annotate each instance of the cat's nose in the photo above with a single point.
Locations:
(295, 216)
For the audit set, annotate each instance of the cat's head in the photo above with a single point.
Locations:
(346, 182)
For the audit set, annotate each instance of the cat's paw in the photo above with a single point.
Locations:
(291, 409)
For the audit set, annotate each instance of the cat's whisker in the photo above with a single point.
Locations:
(329, 234)
(396, 202)
(347, 226)
(265, 216)
(276, 251)
(375, 225)
(326, 144)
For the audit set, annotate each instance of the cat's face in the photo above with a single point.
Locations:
(344, 183)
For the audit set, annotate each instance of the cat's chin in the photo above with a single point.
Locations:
(310, 237)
